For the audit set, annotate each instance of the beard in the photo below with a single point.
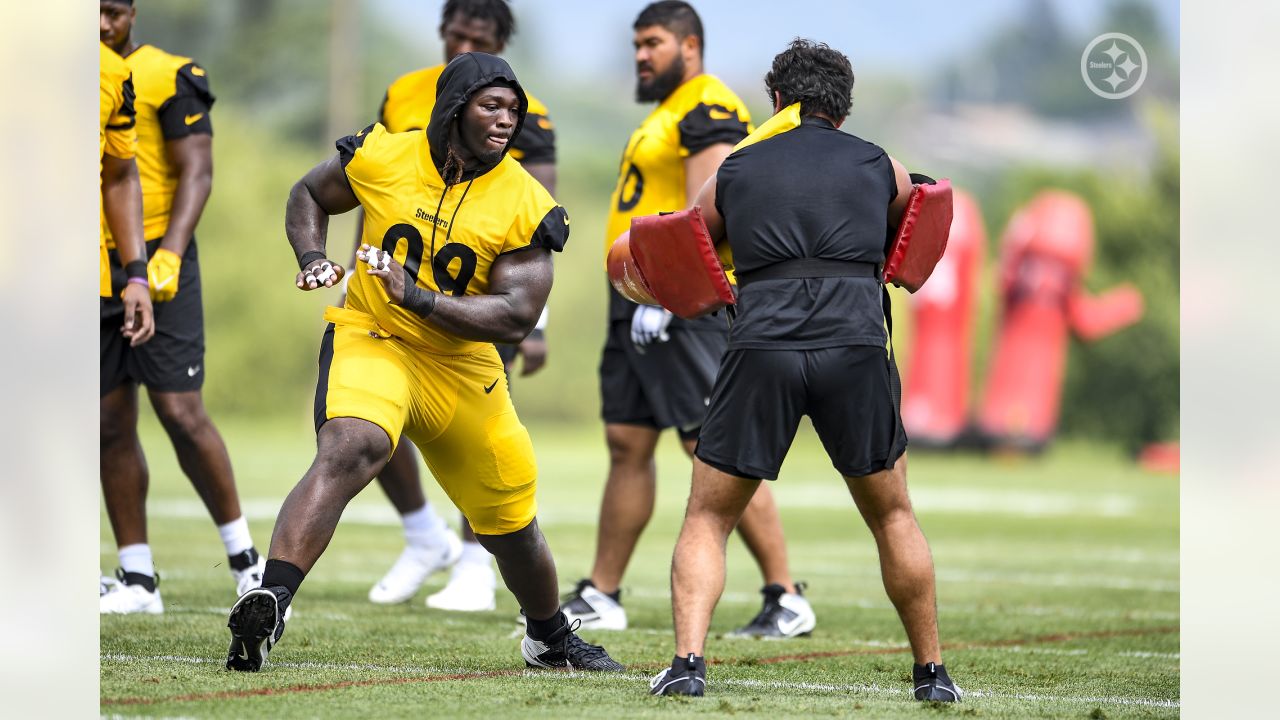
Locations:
(662, 84)
(490, 157)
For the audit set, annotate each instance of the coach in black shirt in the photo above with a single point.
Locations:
(806, 210)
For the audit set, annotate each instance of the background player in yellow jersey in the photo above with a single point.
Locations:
(465, 26)
(456, 256)
(657, 372)
(175, 162)
(121, 201)
(126, 312)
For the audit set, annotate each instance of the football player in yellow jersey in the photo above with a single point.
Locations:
(175, 162)
(465, 26)
(456, 256)
(657, 372)
(126, 314)
(121, 204)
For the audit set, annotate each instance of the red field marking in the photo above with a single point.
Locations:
(798, 657)
(297, 689)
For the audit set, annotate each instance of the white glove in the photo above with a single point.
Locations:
(649, 325)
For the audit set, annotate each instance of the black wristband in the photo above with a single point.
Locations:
(536, 334)
(309, 257)
(420, 302)
(136, 269)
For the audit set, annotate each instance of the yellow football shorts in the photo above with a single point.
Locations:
(455, 408)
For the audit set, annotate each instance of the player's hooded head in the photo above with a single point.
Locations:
(475, 26)
(668, 44)
(480, 108)
(814, 75)
(115, 23)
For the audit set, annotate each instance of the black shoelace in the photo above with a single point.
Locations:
(575, 647)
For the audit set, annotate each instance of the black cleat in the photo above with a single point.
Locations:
(564, 649)
(686, 676)
(783, 615)
(933, 683)
(256, 626)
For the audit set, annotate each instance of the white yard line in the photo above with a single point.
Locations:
(814, 496)
(638, 678)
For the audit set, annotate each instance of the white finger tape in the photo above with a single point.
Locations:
(326, 273)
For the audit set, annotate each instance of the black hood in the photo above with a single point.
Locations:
(462, 77)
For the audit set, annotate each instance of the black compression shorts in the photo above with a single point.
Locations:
(668, 385)
(173, 359)
(760, 395)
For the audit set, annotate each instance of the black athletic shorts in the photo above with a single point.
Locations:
(173, 359)
(760, 395)
(668, 385)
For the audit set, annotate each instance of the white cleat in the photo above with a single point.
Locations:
(784, 615)
(413, 568)
(250, 577)
(595, 610)
(125, 599)
(471, 589)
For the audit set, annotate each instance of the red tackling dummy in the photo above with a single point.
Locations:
(674, 261)
(922, 235)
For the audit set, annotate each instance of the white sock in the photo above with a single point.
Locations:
(473, 553)
(235, 536)
(137, 559)
(423, 526)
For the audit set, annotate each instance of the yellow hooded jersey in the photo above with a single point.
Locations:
(700, 113)
(173, 101)
(410, 99)
(116, 137)
(445, 237)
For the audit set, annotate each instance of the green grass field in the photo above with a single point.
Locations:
(1057, 589)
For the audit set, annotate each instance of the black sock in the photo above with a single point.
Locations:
(146, 581)
(929, 670)
(243, 560)
(689, 664)
(616, 595)
(283, 574)
(542, 629)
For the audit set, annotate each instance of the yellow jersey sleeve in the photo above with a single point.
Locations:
(372, 160)
(550, 232)
(716, 116)
(186, 111)
(118, 136)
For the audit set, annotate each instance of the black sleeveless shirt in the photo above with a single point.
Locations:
(810, 192)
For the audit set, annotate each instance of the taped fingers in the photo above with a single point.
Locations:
(377, 259)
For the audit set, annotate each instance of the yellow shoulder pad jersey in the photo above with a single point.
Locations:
(173, 102)
(700, 113)
(447, 238)
(116, 134)
(410, 99)
(116, 137)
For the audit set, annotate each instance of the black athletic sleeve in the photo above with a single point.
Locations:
(552, 233)
(725, 174)
(537, 140)
(348, 145)
(707, 125)
(186, 112)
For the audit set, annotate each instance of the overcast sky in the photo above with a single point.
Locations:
(582, 38)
